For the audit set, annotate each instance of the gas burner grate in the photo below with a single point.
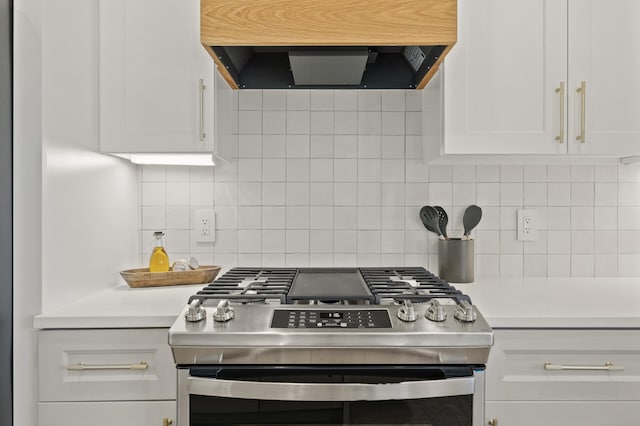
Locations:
(415, 284)
(249, 285)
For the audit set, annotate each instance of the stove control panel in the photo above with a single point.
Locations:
(324, 318)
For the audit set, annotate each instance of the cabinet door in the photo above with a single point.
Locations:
(150, 73)
(604, 46)
(563, 413)
(148, 413)
(501, 76)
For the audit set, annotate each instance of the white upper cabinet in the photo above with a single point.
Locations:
(503, 79)
(156, 80)
(604, 52)
(501, 76)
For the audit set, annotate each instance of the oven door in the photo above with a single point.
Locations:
(317, 395)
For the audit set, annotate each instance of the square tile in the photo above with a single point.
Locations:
(345, 217)
(393, 100)
(249, 170)
(178, 193)
(511, 173)
(511, 194)
(559, 265)
(606, 265)
(320, 241)
(321, 100)
(154, 193)
(535, 173)
(299, 100)
(413, 123)
(249, 193)
(298, 122)
(226, 217)
(582, 173)
(582, 242)
(488, 194)
(368, 194)
(413, 100)
(183, 173)
(273, 217)
(273, 193)
(345, 241)
(345, 170)
(298, 146)
(392, 218)
(274, 122)
(415, 171)
(559, 173)
(511, 265)
(345, 100)
(250, 122)
(345, 194)
(606, 194)
(345, 122)
(368, 241)
(297, 217)
(273, 241)
(535, 265)
(297, 170)
(559, 242)
(440, 194)
(345, 146)
(274, 170)
(321, 194)
(249, 100)
(321, 146)
(605, 242)
(321, 217)
(559, 194)
(369, 217)
(369, 146)
(369, 100)
(201, 193)
(535, 194)
(392, 194)
(154, 218)
(274, 100)
(369, 122)
(249, 217)
(250, 146)
(606, 218)
(321, 123)
(369, 170)
(582, 265)
(274, 146)
(392, 123)
(582, 218)
(413, 149)
(177, 217)
(392, 170)
(582, 194)
(297, 241)
(393, 147)
(606, 173)
(297, 193)
(321, 170)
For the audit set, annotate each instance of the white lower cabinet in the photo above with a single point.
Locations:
(564, 377)
(147, 413)
(536, 413)
(106, 377)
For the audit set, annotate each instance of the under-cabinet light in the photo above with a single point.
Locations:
(171, 159)
(634, 159)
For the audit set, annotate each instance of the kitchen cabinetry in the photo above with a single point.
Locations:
(564, 377)
(123, 376)
(510, 83)
(157, 84)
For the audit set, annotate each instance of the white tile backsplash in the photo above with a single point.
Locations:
(336, 178)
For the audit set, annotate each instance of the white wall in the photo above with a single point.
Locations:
(336, 178)
(75, 218)
(89, 199)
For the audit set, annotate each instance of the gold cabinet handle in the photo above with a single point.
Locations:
(167, 422)
(583, 97)
(202, 135)
(608, 366)
(81, 366)
(561, 91)
(493, 422)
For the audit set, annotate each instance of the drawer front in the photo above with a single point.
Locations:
(566, 413)
(584, 365)
(150, 413)
(106, 365)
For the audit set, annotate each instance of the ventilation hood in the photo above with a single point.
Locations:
(330, 44)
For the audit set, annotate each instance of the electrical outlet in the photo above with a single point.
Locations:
(204, 226)
(527, 225)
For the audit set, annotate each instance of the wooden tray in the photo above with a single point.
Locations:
(143, 278)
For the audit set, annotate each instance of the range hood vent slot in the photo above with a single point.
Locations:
(360, 44)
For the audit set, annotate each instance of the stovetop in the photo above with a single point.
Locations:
(345, 285)
(332, 316)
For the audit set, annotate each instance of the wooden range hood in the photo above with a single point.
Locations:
(348, 44)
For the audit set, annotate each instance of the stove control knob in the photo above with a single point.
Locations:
(195, 312)
(465, 312)
(406, 312)
(435, 311)
(223, 311)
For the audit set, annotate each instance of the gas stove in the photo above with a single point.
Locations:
(404, 315)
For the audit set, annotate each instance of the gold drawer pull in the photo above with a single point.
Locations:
(583, 96)
(493, 422)
(608, 366)
(561, 91)
(81, 366)
(167, 422)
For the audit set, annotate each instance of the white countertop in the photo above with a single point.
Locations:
(505, 303)
(557, 302)
(121, 307)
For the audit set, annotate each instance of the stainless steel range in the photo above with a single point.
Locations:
(330, 346)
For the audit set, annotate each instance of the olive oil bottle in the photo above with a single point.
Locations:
(159, 260)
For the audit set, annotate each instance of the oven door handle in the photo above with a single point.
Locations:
(278, 391)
